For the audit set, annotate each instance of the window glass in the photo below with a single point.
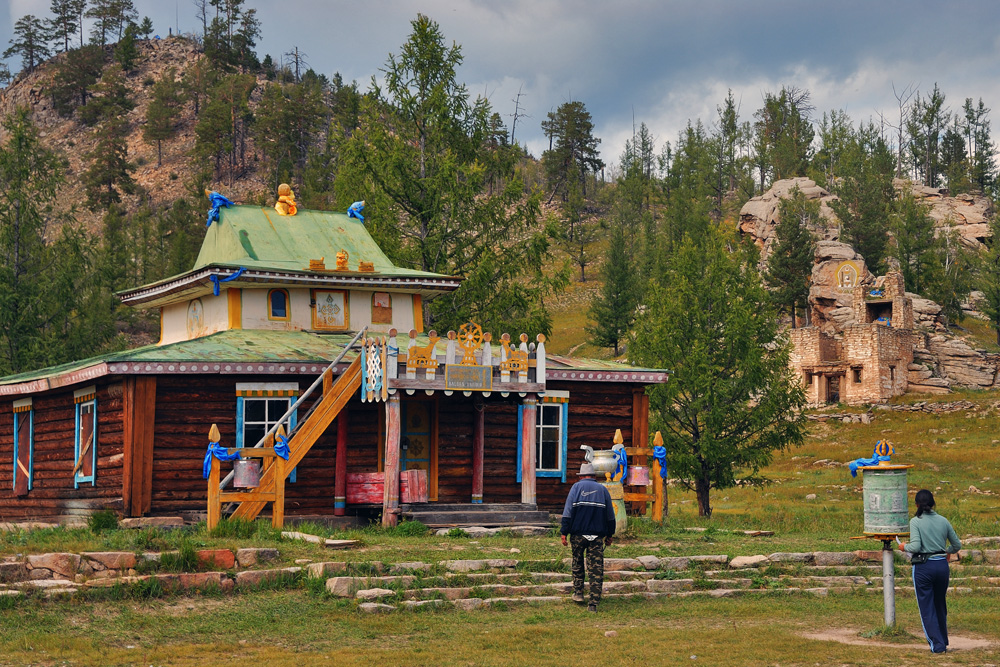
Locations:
(279, 304)
(86, 441)
(259, 415)
(549, 437)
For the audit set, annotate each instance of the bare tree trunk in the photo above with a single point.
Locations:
(701, 488)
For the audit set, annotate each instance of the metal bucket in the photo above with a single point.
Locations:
(885, 501)
(246, 473)
(638, 476)
(618, 502)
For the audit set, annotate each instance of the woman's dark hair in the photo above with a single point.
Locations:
(924, 500)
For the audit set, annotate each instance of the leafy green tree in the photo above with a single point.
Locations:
(420, 158)
(865, 194)
(73, 76)
(928, 120)
(689, 184)
(65, 21)
(913, 243)
(30, 42)
(162, 112)
(835, 134)
(224, 125)
(953, 278)
(732, 400)
(146, 27)
(29, 177)
(613, 308)
(572, 150)
(789, 266)
(785, 133)
(988, 278)
(126, 52)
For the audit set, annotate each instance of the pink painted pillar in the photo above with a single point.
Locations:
(340, 471)
(528, 430)
(390, 497)
(478, 448)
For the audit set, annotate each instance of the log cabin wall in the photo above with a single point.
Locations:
(186, 407)
(52, 494)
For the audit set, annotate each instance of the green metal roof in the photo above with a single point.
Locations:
(258, 238)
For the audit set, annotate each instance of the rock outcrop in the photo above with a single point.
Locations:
(968, 213)
(760, 216)
(831, 301)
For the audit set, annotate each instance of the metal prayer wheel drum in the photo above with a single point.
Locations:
(638, 475)
(618, 502)
(604, 462)
(885, 500)
(246, 473)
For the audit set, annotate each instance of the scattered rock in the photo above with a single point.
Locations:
(740, 562)
(251, 556)
(610, 633)
(810, 496)
(469, 604)
(375, 608)
(373, 593)
(463, 565)
(152, 522)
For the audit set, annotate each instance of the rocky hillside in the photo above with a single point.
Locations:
(163, 184)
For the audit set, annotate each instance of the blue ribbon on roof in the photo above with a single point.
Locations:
(219, 452)
(660, 454)
(354, 210)
(216, 279)
(882, 451)
(281, 447)
(622, 458)
(218, 201)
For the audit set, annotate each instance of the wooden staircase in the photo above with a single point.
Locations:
(320, 416)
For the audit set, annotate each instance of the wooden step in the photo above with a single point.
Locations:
(484, 519)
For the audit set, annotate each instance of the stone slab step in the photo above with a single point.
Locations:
(444, 519)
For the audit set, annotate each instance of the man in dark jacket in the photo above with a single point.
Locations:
(589, 520)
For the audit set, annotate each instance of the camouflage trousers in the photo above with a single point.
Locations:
(594, 552)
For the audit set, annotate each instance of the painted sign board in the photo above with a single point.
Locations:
(468, 378)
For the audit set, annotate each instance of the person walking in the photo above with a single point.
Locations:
(589, 520)
(932, 540)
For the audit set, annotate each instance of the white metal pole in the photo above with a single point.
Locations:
(888, 583)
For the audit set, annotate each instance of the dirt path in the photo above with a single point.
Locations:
(852, 636)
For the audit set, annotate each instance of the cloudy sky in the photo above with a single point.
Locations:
(652, 61)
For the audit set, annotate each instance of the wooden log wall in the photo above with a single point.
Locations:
(187, 407)
(52, 494)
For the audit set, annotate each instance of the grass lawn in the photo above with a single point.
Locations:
(294, 628)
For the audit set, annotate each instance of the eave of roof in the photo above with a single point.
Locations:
(248, 351)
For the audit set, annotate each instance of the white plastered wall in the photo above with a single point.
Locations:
(194, 318)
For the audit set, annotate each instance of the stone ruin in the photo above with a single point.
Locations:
(845, 354)
(869, 361)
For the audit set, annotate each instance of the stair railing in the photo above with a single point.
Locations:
(295, 406)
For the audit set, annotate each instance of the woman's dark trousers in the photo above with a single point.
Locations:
(930, 580)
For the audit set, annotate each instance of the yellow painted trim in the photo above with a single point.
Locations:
(418, 313)
(267, 393)
(161, 326)
(235, 308)
(347, 310)
(288, 306)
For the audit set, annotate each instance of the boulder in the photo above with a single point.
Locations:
(649, 562)
(759, 217)
(63, 564)
(258, 577)
(251, 556)
(622, 564)
(416, 566)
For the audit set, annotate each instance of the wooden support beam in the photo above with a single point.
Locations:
(528, 431)
(390, 497)
(478, 447)
(340, 471)
(138, 419)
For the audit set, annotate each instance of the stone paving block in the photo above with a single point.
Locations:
(501, 562)
(152, 522)
(415, 604)
(650, 562)
(346, 587)
(201, 580)
(622, 575)
(110, 560)
(43, 583)
(619, 564)
(720, 558)
(373, 593)
(447, 593)
(324, 569)
(220, 558)
(64, 564)
(818, 592)
(992, 556)
(375, 608)
(415, 566)
(669, 585)
(791, 557)
(741, 562)
(257, 577)
(13, 571)
(10, 593)
(463, 565)
(826, 558)
(469, 604)
(675, 563)
(253, 555)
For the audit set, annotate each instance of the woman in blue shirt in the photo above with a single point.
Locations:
(932, 539)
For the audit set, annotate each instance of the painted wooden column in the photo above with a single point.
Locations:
(528, 431)
(478, 447)
(390, 497)
(340, 469)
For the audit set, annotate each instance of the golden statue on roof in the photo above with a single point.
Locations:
(286, 201)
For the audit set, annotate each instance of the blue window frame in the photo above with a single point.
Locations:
(256, 416)
(85, 443)
(24, 446)
(551, 427)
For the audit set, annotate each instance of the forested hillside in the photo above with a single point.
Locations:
(111, 137)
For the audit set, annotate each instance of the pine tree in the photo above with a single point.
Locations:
(30, 42)
(785, 133)
(789, 266)
(108, 176)
(732, 400)
(65, 21)
(573, 151)
(110, 98)
(73, 76)
(5, 75)
(913, 241)
(928, 120)
(104, 13)
(613, 308)
(126, 53)
(146, 27)
(29, 177)
(224, 125)
(162, 112)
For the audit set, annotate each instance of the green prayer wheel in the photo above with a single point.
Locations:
(618, 502)
(885, 500)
